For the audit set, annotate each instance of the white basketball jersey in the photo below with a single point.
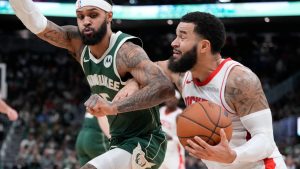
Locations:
(174, 158)
(212, 89)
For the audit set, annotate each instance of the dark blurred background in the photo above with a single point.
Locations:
(47, 86)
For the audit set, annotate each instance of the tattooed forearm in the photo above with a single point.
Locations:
(88, 166)
(244, 92)
(149, 96)
(155, 86)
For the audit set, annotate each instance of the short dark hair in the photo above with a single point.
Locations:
(209, 27)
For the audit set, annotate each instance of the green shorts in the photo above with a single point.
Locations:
(151, 148)
(90, 143)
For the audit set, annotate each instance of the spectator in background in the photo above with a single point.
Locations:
(290, 163)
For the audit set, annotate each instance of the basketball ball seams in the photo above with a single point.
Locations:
(206, 113)
(183, 116)
(189, 137)
(203, 119)
(229, 124)
(201, 136)
(216, 125)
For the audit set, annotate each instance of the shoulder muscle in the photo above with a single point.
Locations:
(244, 92)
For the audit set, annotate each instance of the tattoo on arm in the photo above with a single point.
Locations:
(155, 86)
(244, 92)
(60, 36)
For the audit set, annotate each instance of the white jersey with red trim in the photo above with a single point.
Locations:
(174, 158)
(212, 89)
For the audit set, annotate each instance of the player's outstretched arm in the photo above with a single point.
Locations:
(131, 87)
(155, 86)
(66, 37)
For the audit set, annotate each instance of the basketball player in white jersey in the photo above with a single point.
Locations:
(200, 73)
(10, 112)
(175, 154)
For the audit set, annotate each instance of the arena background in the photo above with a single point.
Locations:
(48, 88)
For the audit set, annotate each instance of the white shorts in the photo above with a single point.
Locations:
(118, 158)
(113, 159)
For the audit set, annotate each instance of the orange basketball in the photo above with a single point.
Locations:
(203, 119)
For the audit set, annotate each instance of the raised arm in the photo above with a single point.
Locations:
(66, 37)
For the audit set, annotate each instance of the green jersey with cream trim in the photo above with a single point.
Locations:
(104, 79)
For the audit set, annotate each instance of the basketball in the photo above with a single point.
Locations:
(203, 119)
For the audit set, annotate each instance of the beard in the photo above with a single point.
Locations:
(96, 37)
(185, 63)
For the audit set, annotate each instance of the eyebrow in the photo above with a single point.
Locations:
(183, 32)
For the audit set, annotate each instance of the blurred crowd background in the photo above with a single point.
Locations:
(163, 2)
(47, 87)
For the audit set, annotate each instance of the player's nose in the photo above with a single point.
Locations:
(87, 21)
(175, 43)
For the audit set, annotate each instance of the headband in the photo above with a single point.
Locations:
(97, 3)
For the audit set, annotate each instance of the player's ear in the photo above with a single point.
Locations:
(109, 16)
(203, 46)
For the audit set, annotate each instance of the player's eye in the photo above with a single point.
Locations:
(93, 15)
(181, 37)
(80, 17)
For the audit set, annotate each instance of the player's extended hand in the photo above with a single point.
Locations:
(220, 153)
(131, 87)
(99, 107)
(12, 114)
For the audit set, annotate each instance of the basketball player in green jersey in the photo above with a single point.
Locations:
(108, 60)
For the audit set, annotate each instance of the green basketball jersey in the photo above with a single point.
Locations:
(104, 79)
